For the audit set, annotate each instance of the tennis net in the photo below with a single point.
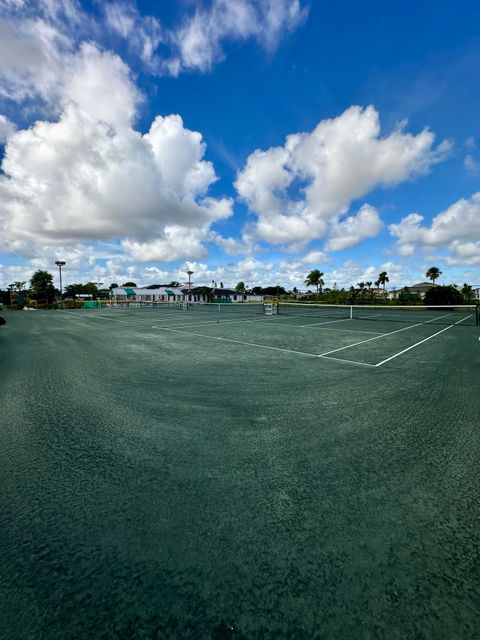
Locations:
(462, 315)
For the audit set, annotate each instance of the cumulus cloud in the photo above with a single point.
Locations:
(353, 229)
(340, 160)
(457, 228)
(82, 179)
(89, 175)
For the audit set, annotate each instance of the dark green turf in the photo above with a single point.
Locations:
(158, 485)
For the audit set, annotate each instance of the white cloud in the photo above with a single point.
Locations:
(176, 243)
(7, 128)
(470, 143)
(80, 179)
(198, 42)
(340, 160)
(315, 257)
(84, 173)
(464, 253)
(471, 165)
(142, 33)
(353, 229)
(90, 176)
(457, 229)
(31, 53)
(233, 246)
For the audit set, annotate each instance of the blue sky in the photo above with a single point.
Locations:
(244, 140)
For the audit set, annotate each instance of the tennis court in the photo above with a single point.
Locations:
(215, 472)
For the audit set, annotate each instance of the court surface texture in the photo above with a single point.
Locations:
(186, 474)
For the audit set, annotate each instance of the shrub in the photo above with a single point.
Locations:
(443, 295)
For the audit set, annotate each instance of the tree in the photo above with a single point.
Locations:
(114, 285)
(382, 280)
(433, 274)
(314, 279)
(41, 285)
(467, 292)
(406, 297)
(271, 291)
(240, 287)
(73, 290)
(134, 284)
(443, 295)
(173, 283)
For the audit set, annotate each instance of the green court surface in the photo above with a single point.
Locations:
(180, 474)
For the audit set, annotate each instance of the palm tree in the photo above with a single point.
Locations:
(382, 280)
(369, 285)
(433, 274)
(361, 286)
(467, 292)
(314, 279)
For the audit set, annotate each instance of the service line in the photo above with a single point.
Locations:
(264, 346)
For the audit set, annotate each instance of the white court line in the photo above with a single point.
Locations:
(363, 364)
(315, 324)
(249, 344)
(199, 324)
(348, 346)
(376, 333)
(264, 346)
(108, 318)
(379, 364)
(265, 323)
(445, 316)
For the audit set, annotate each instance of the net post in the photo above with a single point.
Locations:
(351, 312)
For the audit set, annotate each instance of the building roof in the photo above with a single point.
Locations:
(421, 284)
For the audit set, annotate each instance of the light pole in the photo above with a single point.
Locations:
(60, 264)
(190, 274)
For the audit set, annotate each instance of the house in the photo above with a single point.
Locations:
(219, 294)
(420, 289)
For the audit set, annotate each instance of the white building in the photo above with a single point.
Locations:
(165, 293)
(142, 294)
